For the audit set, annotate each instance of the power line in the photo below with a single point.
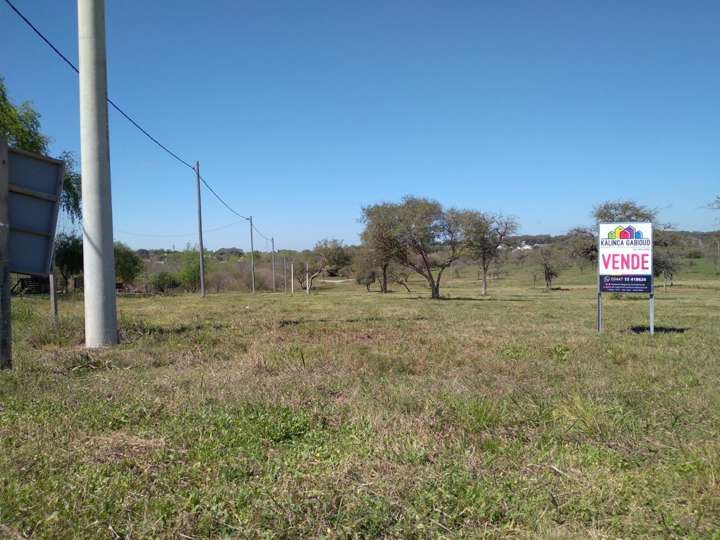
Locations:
(219, 198)
(131, 119)
(190, 235)
(267, 238)
(110, 101)
(118, 109)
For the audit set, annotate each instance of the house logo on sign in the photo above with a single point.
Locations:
(624, 233)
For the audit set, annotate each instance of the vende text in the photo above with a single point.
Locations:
(616, 261)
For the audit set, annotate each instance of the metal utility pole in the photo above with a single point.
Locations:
(98, 256)
(5, 328)
(200, 238)
(252, 255)
(272, 241)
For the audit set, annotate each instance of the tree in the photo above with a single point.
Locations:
(552, 260)
(334, 257)
(621, 211)
(20, 126)
(68, 258)
(485, 236)
(379, 237)
(188, 275)
(583, 241)
(163, 282)
(128, 264)
(583, 245)
(315, 267)
(430, 238)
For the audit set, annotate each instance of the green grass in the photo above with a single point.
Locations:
(353, 414)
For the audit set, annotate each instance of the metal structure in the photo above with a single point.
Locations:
(30, 186)
(625, 264)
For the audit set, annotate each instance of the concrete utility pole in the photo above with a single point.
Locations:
(252, 255)
(98, 256)
(284, 274)
(53, 297)
(5, 328)
(272, 241)
(307, 279)
(200, 238)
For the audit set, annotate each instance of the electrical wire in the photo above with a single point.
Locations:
(122, 112)
(189, 235)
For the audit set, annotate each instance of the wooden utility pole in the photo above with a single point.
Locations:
(200, 230)
(252, 255)
(5, 329)
(292, 278)
(284, 274)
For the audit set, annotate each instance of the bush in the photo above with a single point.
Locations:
(163, 282)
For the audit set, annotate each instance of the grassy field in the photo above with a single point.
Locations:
(354, 414)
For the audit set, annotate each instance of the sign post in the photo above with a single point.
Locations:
(5, 331)
(625, 263)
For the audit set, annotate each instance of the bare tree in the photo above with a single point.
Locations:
(485, 236)
(552, 261)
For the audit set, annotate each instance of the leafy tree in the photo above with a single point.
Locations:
(431, 238)
(379, 237)
(583, 241)
(617, 211)
(188, 275)
(128, 264)
(68, 257)
(334, 256)
(20, 126)
(485, 235)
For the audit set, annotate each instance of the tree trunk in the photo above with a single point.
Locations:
(384, 283)
(484, 282)
(435, 290)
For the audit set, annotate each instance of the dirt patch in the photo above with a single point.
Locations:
(121, 445)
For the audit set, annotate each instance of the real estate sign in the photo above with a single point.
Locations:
(625, 262)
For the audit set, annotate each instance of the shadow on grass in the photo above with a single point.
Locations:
(295, 322)
(658, 330)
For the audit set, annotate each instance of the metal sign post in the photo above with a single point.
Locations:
(5, 331)
(625, 263)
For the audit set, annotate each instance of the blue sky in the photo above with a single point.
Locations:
(302, 112)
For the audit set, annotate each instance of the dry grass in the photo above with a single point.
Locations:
(348, 414)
